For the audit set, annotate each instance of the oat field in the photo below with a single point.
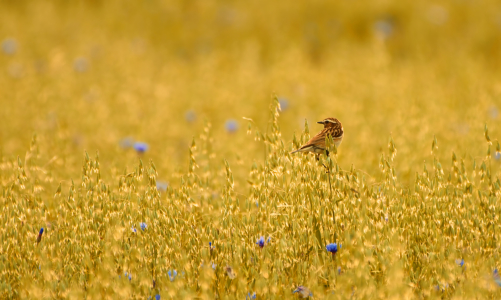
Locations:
(145, 149)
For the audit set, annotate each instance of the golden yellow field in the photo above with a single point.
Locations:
(221, 92)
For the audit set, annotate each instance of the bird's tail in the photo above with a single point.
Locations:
(298, 150)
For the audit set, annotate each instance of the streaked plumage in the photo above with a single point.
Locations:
(316, 144)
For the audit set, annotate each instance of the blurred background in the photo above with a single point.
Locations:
(101, 75)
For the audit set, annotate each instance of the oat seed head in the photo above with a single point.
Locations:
(209, 212)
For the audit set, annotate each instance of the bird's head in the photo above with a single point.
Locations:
(329, 122)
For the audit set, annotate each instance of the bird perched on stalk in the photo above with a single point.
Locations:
(316, 145)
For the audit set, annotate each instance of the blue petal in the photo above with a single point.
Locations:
(284, 103)
(231, 125)
(141, 147)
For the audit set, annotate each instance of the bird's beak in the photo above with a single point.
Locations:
(321, 122)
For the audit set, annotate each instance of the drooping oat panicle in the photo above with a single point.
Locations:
(58, 191)
(486, 134)
(392, 148)
(434, 144)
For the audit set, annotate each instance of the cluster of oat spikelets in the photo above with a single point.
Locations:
(397, 242)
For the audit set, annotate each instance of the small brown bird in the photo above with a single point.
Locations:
(316, 144)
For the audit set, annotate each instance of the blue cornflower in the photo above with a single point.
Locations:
(460, 262)
(284, 103)
(211, 247)
(126, 142)
(339, 270)
(303, 291)
(9, 46)
(250, 297)
(81, 64)
(157, 297)
(260, 242)
(140, 147)
(496, 276)
(133, 229)
(231, 125)
(39, 238)
(268, 240)
(214, 266)
(128, 275)
(162, 186)
(332, 248)
(441, 287)
(143, 226)
(172, 275)
(190, 116)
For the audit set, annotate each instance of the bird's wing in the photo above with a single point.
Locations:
(318, 141)
(336, 131)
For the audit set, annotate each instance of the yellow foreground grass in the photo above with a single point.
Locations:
(194, 80)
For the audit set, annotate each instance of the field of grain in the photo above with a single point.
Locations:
(145, 149)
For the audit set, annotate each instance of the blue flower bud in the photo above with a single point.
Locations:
(140, 147)
(332, 248)
(260, 242)
(231, 125)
